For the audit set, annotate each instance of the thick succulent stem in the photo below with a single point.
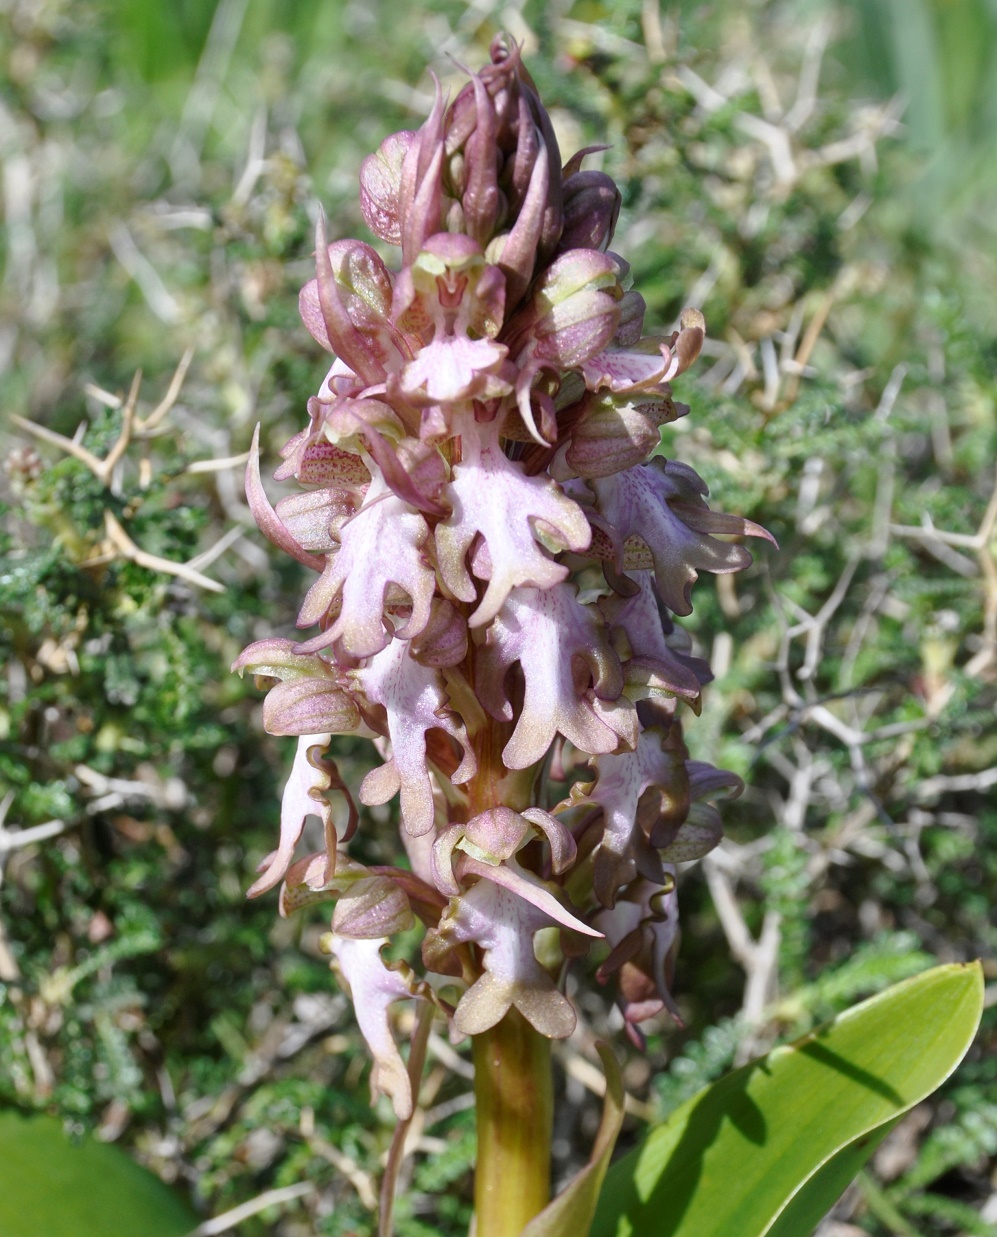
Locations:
(515, 1107)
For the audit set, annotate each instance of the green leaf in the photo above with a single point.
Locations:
(765, 1151)
(570, 1214)
(810, 1205)
(89, 1189)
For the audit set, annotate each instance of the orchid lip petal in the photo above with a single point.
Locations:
(415, 700)
(492, 496)
(304, 795)
(374, 986)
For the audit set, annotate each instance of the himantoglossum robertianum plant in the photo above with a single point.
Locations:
(498, 568)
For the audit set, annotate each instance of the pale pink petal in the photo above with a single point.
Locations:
(374, 986)
(415, 700)
(380, 549)
(492, 496)
(567, 665)
(305, 794)
(645, 364)
(452, 368)
(544, 895)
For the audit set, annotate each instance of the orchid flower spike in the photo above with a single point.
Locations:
(498, 567)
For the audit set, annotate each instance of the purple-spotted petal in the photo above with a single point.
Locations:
(380, 185)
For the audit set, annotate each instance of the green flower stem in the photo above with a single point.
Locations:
(515, 1109)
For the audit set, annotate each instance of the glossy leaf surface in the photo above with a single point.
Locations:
(52, 1185)
(765, 1151)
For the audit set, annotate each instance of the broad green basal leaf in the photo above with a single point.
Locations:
(51, 1185)
(774, 1144)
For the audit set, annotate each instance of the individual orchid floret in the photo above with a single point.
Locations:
(502, 922)
(414, 700)
(621, 780)
(306, 794)
(370, 908)
(379, 564)
(496, 504)
(454, 302)
(374, 985)
(573, 313)
(658, 518)
(572, 677)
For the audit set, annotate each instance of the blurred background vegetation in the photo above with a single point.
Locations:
(821, 179)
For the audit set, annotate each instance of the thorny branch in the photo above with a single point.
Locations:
(108, 472)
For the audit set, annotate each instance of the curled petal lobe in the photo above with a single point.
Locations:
(638, 619)
(642, 929)
(492, 497)
(374, 986)
(368, 903)
(380, 552)
(415, 701)
(347, 308)
(573, 679)
(305, 794)
(313, 518)
(419, 198)
(615, 432)
(275, 658)
(267, 519)
(443, 641)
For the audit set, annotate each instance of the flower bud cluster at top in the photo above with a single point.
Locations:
(497, 570)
